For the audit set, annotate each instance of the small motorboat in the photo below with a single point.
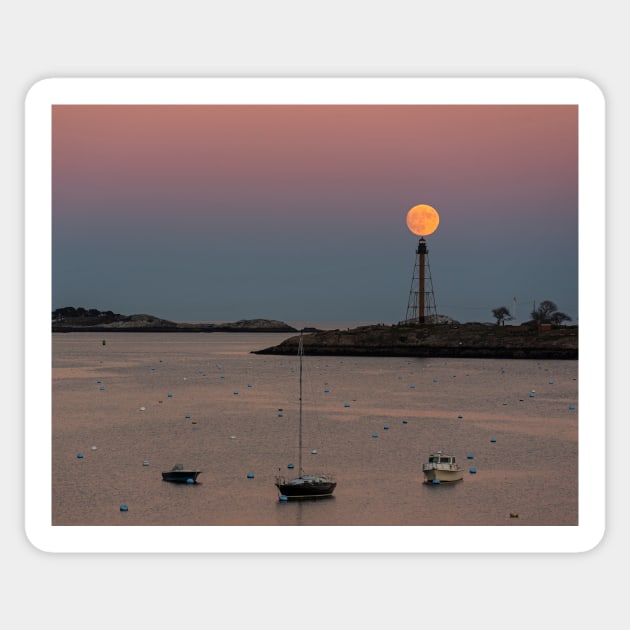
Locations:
(441, 467)
(179, 474)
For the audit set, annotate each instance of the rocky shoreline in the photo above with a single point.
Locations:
(402, 340)
(439, 340)
(149, 323)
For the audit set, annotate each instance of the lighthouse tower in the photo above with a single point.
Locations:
(422, 220)
(421, 307)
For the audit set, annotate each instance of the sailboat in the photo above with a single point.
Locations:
(316, 486)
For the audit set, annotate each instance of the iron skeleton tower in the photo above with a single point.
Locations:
(421, 307)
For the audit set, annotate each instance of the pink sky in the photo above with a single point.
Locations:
(239, 174)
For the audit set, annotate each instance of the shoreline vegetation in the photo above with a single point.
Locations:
(454, 340)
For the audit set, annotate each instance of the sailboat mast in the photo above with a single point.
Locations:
(300, 352)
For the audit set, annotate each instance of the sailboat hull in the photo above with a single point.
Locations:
(306, 488)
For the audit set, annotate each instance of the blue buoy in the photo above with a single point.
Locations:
(250, 475)
(493, 439)
(550, 381)
(283, 497)
(346, 404)
(386, 427)
(101, 388)
(435, 380)
(249, 385)
(374, 435)
(279, 414)
(405, 421)
(170, 395)
(470, 456)
(79, 455)
(123, 507)
(472, 471)
(190, 480)
(289, 465)
(436, 481)
(571, 406)
(187, 416)
(326, 390)
(532, 394)
(412, 386)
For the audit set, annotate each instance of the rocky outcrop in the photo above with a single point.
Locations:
(150, 323)
(438, 340)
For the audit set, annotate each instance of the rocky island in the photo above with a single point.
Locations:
(70, 319)
(439, 340)
(449, 339)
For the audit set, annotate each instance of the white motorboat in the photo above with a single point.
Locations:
(441, 467)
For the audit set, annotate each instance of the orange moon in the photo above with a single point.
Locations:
(423, 220)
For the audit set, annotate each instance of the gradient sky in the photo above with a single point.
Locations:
(297, 213)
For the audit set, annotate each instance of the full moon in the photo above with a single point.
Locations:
(423, 220)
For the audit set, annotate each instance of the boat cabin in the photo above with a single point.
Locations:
(439, 458)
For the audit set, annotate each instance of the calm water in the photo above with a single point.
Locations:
(205, 401)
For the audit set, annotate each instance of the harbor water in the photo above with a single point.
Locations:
(127, 406)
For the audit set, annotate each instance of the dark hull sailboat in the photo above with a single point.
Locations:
(313, 486)
(306, 487)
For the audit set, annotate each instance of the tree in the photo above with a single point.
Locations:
(547, 313)
(500, 314)
(558, 318)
